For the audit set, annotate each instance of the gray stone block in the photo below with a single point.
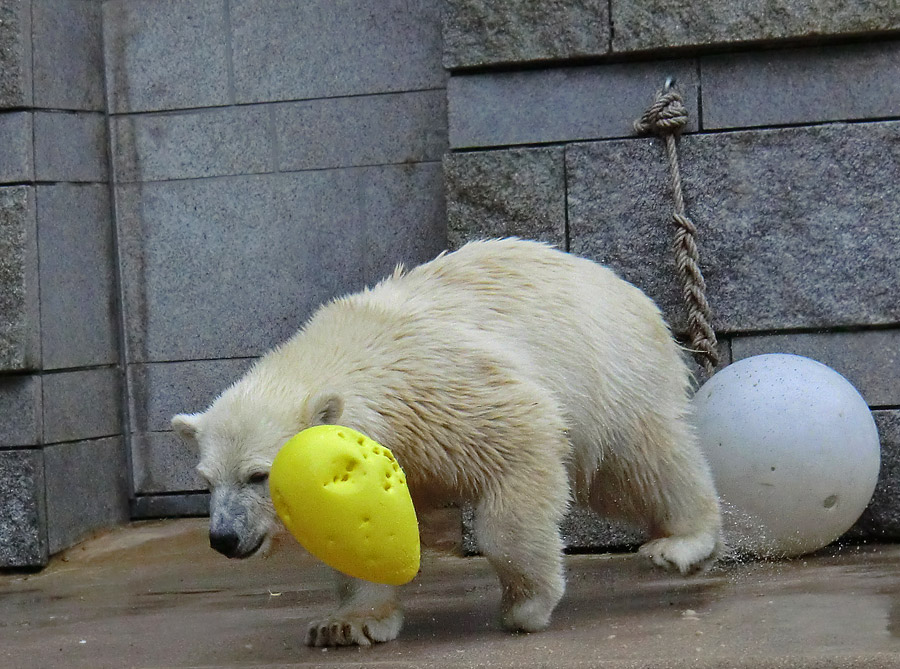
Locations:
(23, 518)
(83, 404)
(69, 146)
(68, 54)
(163, 463)
(16, 148)
(797, 227)
(166, 54)
(20, 326)
(289, 51)
(561, 104)
(487, 32)
(404, 214)
(146, 507)
(209, 271)
(15, 54)
(881, 519)
(364, 130)
(515, 192)
(159, 391)
(869, 360)
(228, 267)
(795, 86)
(87, 489)
(652, 24)
(20, 411)
(469, 540)
(78, 286)
(581, 530)
(213, 142)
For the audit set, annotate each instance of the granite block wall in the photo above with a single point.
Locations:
(789, 162)
(267, 156)
(509, 33)
(63, 468)
(183, 181)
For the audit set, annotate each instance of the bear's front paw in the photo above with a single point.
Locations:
(532, 615)
(355, 628)
(686, 554)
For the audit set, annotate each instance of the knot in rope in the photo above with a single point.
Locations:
(666, 116)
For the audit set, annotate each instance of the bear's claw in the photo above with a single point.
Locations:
(685, 554)
(354, 629)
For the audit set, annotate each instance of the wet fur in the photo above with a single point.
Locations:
(508, 375)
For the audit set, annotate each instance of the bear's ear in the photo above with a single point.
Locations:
(187, 425)
(323, 409)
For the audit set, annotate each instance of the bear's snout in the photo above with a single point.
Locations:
(238, 525)
(226, 542)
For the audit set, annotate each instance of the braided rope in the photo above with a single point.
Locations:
(666, 117)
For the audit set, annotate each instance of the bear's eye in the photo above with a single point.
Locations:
(258, 478)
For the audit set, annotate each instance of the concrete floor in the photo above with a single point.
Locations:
(155, 595)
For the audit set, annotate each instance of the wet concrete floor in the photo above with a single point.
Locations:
(155, 595)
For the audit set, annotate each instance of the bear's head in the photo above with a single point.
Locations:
(237, 439)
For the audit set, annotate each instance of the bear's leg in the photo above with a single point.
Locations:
(664, 482)
(517, 528)
(367, 613)
(687, 532)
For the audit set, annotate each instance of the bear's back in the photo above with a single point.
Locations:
(528, 294)
(568, 328)
(567, 322)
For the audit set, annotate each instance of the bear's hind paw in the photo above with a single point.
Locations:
(529, 616)
(355, 629)
(684, 554)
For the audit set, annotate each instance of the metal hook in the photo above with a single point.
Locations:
(669, 85)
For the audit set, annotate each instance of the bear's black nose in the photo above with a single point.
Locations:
(224, 541)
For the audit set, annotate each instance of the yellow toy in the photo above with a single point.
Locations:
(344, 497)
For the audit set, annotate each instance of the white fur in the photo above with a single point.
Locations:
(507, 374)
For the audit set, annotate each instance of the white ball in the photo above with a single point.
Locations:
(793, 449)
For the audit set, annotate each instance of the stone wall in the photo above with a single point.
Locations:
(63, 466)
(267, 156)
(790, 164)
(261, 157)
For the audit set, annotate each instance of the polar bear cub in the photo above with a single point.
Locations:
(507, 374)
